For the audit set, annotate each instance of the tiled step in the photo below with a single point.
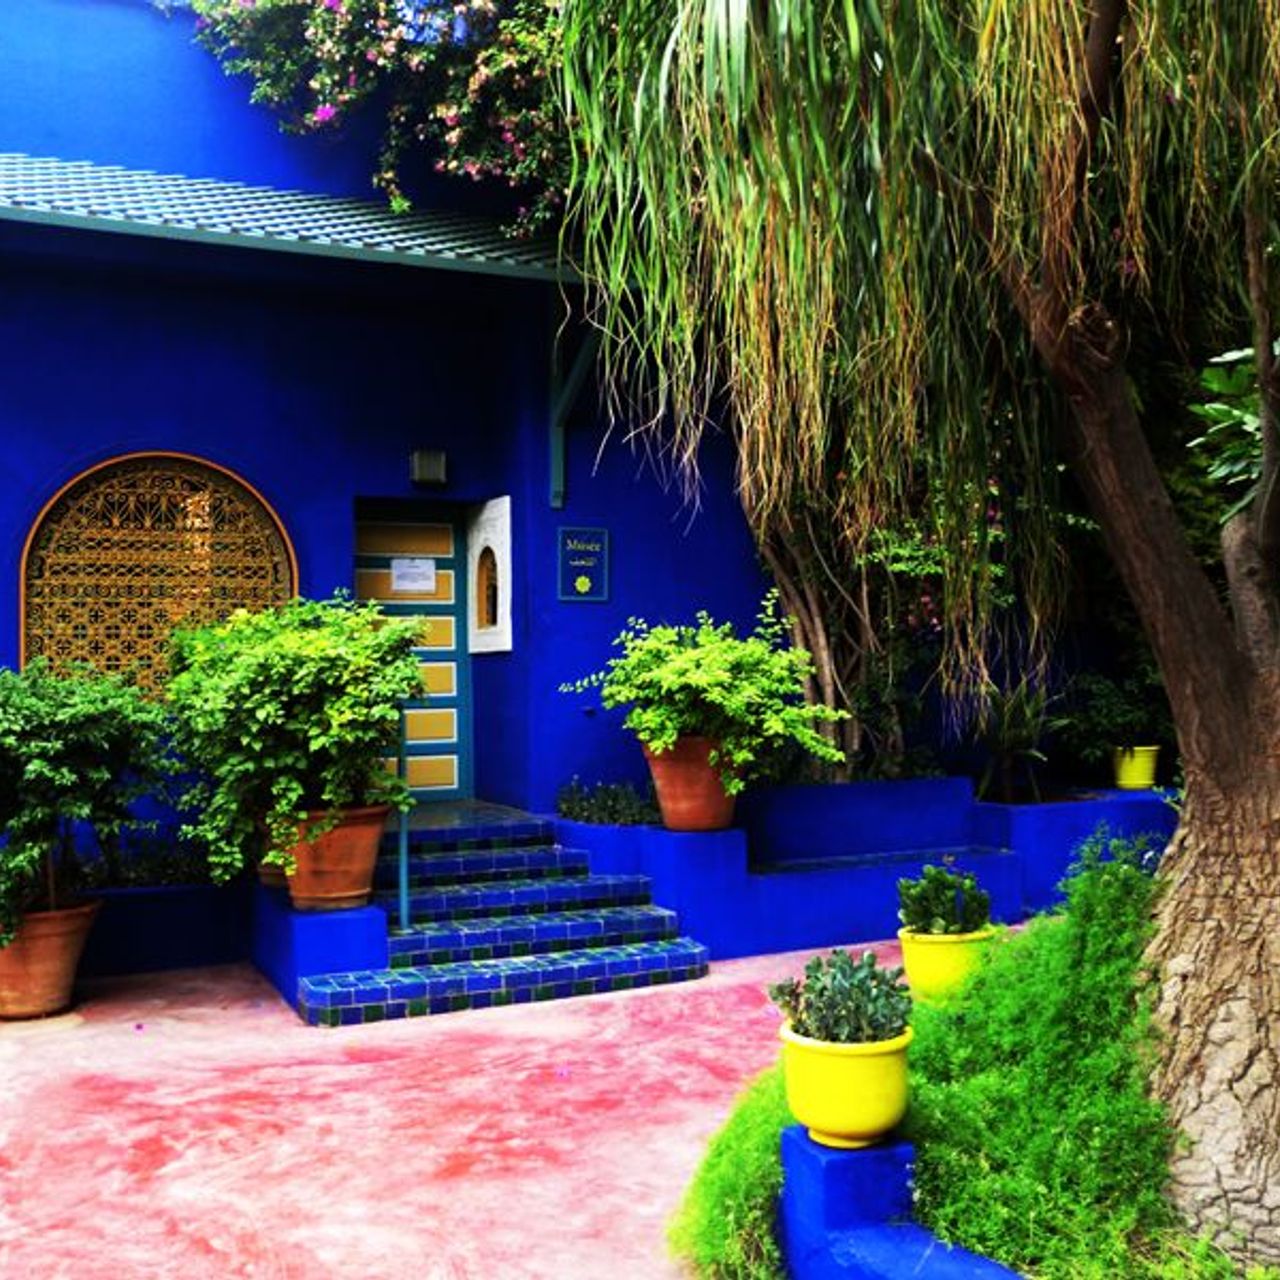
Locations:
(344, 999)
(465, 866)
(496, 937)
(513, 897)
(427, 839)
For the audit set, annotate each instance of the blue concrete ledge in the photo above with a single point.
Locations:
(845, 1215)
(814, 866)
(288, 945)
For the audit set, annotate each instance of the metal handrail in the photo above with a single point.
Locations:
(402, 772)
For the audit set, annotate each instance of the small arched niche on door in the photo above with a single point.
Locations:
(489, 577)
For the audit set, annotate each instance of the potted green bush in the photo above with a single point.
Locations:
(1012, 726)
(946, 924)
(712, 710)
(287, 717)
(76, 751)
(1122, 720)
(844, 1048)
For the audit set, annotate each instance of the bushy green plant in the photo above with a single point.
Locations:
(75, 748)
(745, 694)
(845, 1001)
(608, 803)
(285, 712)
(725, 1226)
(1107, 713)
(1037, 1143)
(943, 901)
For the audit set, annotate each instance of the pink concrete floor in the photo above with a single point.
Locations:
(188, 1125)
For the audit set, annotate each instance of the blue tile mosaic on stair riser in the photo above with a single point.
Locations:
(341, 1000)
(846, 1215)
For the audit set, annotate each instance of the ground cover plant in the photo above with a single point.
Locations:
(1037, 1143)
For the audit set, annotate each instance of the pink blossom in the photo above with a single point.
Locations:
(335, 5)
(324, 113)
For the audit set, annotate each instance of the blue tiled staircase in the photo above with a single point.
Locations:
(502, 915)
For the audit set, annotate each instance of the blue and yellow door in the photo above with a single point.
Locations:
(418, 569)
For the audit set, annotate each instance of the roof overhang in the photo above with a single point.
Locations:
(92, 197)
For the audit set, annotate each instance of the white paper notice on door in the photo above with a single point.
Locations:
(413, 575)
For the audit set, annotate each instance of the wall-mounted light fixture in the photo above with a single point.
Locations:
(428, 466)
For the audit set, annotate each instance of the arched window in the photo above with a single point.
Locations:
(136, 547)
(487, 590)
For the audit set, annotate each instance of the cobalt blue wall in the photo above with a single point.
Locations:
(313, 380)
(121, 82)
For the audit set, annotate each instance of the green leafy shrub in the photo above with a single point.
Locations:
(286, 712)
(1012, 726)
(77, 748)
(943, 901)
(725, 1225)
(1037, 1143)
(608, 803)
(747, 695)
(1106, 713)
(845, 1001)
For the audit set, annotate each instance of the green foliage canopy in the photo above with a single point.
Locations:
(744, 693)
(78, 747)
(288, 711)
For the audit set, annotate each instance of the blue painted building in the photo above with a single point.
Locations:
(152, 345)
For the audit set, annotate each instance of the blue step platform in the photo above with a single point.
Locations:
(501, 914)
(846, 1215)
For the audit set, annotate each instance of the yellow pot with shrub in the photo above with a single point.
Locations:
(844, 1048)
(946, 928)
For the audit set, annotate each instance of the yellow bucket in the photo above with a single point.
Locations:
(1136, 767)
(938, 963)
(846, 1095)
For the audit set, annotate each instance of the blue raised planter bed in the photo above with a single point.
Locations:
(143, 930)
(812, 866)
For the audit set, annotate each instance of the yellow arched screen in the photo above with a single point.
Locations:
(139, 546)
(487, 590)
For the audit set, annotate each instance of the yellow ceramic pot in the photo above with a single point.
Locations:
(938, 963)
(846, 1095)
(1136, 767)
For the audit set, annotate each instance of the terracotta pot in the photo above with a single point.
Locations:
(38, 968)
(271, 876)
(335, 869)
(690, 793)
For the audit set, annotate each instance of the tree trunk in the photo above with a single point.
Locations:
(1217, 948)
(1217, 941)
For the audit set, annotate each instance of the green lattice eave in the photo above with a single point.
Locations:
(86, 196)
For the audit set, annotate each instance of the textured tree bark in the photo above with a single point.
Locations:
(1218, 950)
(1217, 941)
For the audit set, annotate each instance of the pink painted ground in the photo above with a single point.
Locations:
(188, 1125)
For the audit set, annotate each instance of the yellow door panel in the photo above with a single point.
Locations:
(404, 540)
(440, 677)
(375, 584)
(439, 725)
(432, 771)
(438, 633)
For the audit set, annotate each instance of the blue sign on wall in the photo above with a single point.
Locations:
(583, 558)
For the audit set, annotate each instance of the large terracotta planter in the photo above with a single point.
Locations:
(846, 1095)
(690, 793)
(38, 968)
(335, 869)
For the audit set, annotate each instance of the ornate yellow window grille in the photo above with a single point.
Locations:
(139, 546)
